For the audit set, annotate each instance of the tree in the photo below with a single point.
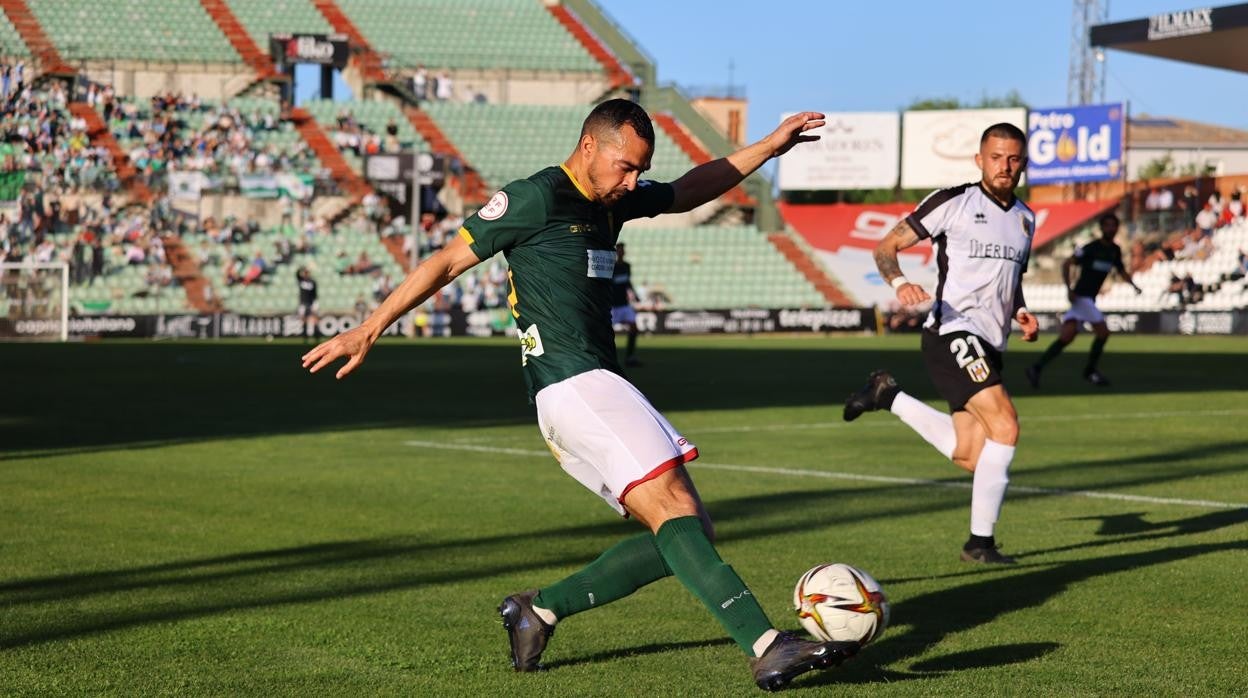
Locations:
(1157, 168)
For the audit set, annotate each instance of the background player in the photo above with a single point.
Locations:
(1095, 260)
(622, 296)
(558, 230)
(308, 307)
(982, 234)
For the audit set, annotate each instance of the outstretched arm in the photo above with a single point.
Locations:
(1122, 271)
(710, 180)
(434, 273)
(898, 239)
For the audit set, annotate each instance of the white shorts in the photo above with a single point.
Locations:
(607, 435)
(623, 315)
(1084, 310)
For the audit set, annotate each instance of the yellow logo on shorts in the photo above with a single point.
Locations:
(978, 370)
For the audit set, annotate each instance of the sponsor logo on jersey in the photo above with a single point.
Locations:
(577, 228)
(530, 344)
(981, 218)
(978, 370)
(996, 250)
(1029, 225)
(601, 264)
(494, 208)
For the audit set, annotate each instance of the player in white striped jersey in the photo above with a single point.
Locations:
(982, 235)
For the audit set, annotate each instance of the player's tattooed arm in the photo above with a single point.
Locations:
(899, 238)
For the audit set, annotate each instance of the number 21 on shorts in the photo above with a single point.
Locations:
(976, 366)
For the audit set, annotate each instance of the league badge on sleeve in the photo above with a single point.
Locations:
(494, 208)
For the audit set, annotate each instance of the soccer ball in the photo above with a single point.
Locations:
(836, 601)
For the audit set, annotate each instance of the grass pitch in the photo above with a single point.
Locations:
(207, 519)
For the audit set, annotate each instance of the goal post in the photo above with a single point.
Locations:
(34, 301)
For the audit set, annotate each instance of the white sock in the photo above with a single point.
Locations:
(934, 426)
(764, 641)
(988, 486)
(548, 617)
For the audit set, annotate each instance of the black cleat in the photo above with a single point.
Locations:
(526, 630)
(789, 656)
(1033, 375)
(987, 555)
(869, 397)
(1096, 378)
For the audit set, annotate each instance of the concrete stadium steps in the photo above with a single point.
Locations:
(787, 246)
(616, 73)
(186, 271)
(472, 188)
(37, 41)
(697, 154)
(98, 133)
(364, 56)
(238, 37)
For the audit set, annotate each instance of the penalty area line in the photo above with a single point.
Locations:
(857, 477)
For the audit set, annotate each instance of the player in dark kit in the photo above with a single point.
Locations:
(1095, 260)
(622, 312)
(558, 230)
(308, 307)
(982, 235)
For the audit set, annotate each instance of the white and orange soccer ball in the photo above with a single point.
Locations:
(836, 601)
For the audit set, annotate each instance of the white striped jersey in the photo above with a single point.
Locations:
(982, 249)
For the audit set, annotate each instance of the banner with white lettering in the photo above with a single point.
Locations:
(938, 147)
(855, 150)
(1075, 144)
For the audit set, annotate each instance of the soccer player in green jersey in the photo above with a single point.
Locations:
(558, 230)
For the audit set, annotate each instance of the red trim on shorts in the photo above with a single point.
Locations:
(662, 468)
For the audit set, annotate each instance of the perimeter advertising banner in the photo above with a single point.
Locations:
(1075, 144)
(844, 236)
(938, 147)
(856, 150)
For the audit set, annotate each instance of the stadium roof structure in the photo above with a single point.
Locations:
(1210, 36)
(1146, 131)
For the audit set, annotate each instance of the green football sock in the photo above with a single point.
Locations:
(692, 558)
(618, 572)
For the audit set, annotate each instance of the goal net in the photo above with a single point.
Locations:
(34, 301)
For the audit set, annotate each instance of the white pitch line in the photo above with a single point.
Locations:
(827, 475)
(1025, 420)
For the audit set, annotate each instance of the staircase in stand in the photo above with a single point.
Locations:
(186, 271)
(472, 188)
(99, 134)
(40, 45)
(698, 154)
(240, 39)
(616, 74)
(799, 259)
(365, 58)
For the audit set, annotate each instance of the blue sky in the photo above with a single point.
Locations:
(879, 55)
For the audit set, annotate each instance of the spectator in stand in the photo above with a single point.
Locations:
(230, 272)
(382, 287)
(1192, 291)
(1206, 220)
(1165, 200)
(255, 270)
(1191, 204)
(1216, 203)
(444, 89)
(420, 83)
(97, 259)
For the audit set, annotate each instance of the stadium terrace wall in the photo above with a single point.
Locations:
(497, 322)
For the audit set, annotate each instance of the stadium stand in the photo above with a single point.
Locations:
(715, 267)
(469, 34)
(252, 53)
(360, 127)
(261, 19)
(11, 43)
(166, 31)
(505, 142)
(1212, 266)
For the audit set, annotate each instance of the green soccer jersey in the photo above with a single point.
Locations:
(560, 246)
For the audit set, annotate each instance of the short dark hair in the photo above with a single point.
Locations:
(614, 113)
(1107, 217)
(1004, 130)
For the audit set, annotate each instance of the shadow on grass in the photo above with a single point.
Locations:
(79, 398)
